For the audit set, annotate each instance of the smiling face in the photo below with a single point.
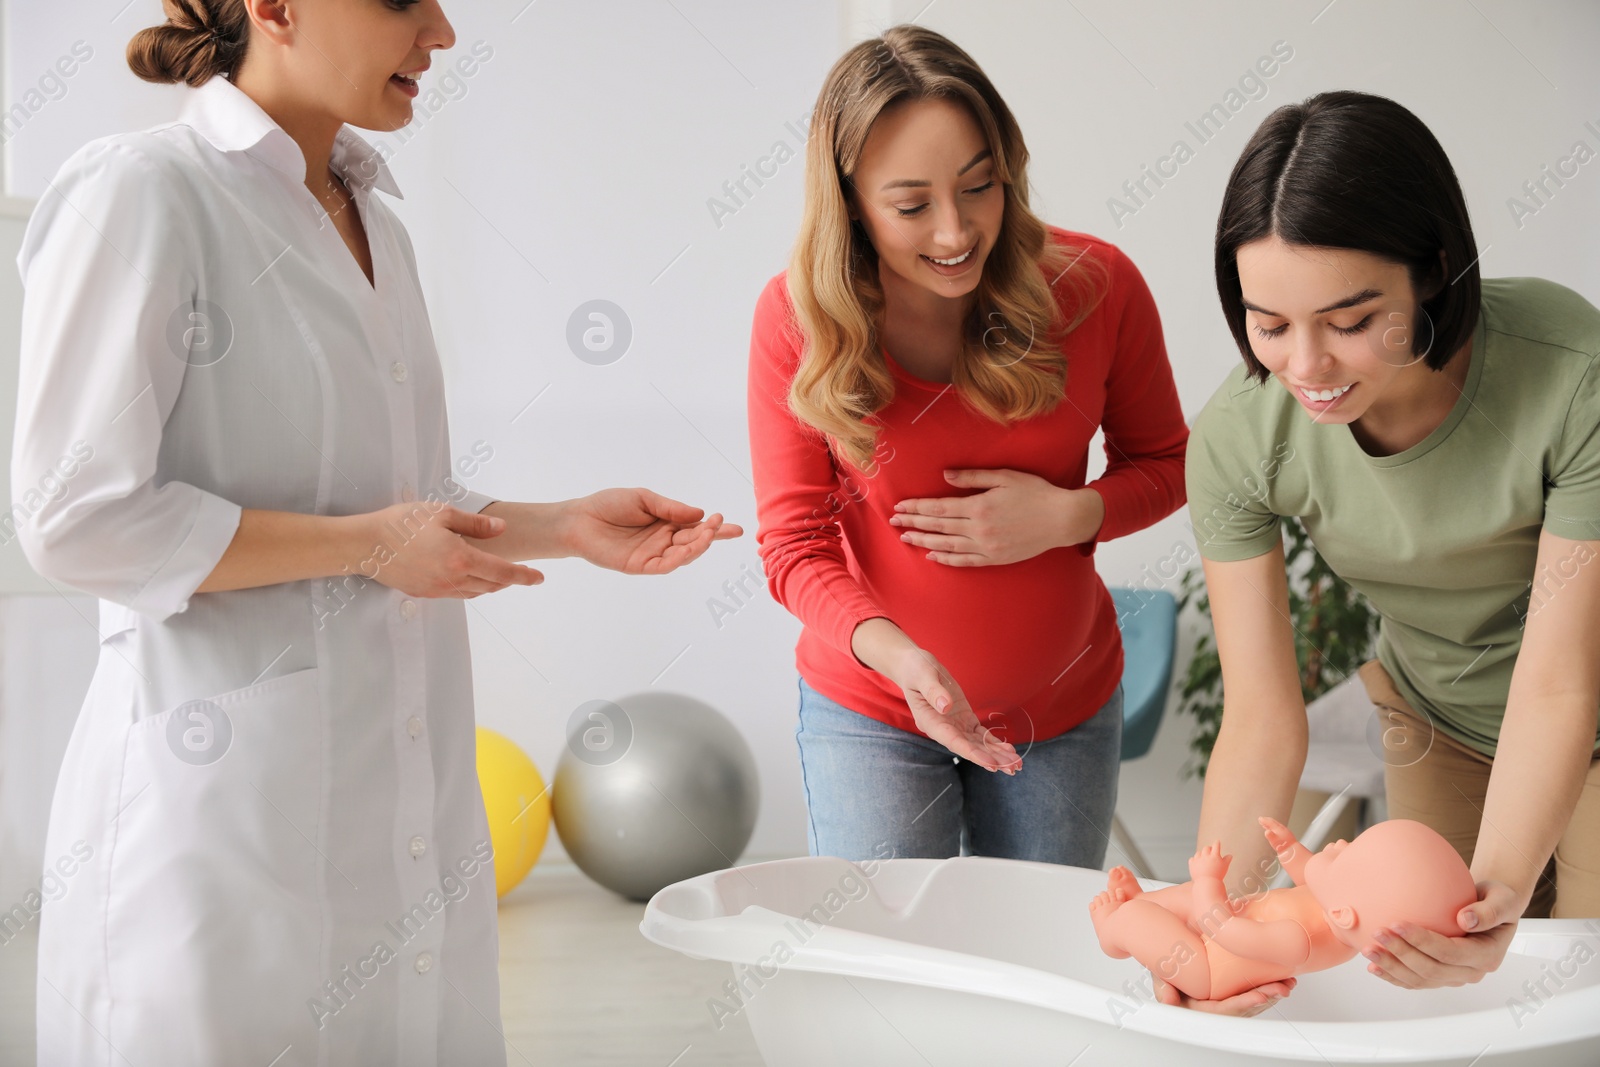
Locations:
(352, 57)
(926, 191)
(1335, 326)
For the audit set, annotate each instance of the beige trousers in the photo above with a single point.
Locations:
(1441, 782)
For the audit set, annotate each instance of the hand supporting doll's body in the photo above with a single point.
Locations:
(1210, 946)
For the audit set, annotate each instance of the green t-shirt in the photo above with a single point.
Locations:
(1442, 537)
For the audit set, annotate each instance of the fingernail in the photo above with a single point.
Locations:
(1470, 922)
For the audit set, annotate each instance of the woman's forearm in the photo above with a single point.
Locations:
(270, 547)
(877, 641)
(532, 531)
(1546, 743)
(1261, 748)
(1254, 771)
(1085, 513)
(1547, 733)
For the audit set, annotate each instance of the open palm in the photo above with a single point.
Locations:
(636, 531)
(957, 727)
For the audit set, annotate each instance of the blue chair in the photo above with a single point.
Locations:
(1148, 619)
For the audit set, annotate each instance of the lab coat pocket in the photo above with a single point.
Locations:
(217, 867)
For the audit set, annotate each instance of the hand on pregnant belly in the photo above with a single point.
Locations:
(941, 711)
(1016, 517)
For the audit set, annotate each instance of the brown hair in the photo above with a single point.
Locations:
(201, 38)
(1346, 169)
(1011, 366)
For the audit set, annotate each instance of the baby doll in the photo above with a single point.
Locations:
(1211, 947)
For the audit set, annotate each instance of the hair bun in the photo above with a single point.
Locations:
(201, 38)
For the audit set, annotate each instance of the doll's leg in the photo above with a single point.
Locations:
(1123, 879)
(1175, 898)
(1154, 936)
(1101, 909)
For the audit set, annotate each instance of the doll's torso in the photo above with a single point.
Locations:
(1231, 973)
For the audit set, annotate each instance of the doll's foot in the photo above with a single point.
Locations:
(1123, 879)
(1101, 908)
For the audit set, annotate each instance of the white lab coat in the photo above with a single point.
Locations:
(270, 798)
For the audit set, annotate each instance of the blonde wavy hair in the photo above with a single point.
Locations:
(1011, 366)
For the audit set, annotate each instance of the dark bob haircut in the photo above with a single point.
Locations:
(1354, 171)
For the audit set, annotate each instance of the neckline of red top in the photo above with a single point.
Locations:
(900, 372)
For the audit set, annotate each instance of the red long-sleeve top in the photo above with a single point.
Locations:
(1034, 644)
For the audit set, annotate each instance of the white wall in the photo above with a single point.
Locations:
(577, 165)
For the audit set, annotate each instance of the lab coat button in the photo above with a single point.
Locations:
(424, 962)
(414, 726)
(408, 608)
(418, 845)
(398, 371)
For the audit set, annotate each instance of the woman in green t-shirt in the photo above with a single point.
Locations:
(1437, 436)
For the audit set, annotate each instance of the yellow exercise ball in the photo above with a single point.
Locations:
(518, 806)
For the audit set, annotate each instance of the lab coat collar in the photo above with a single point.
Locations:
(226, 116)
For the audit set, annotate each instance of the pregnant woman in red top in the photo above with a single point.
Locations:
(925, 381)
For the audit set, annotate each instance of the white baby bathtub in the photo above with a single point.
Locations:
(976, 960)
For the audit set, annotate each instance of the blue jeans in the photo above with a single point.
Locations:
(874, 791)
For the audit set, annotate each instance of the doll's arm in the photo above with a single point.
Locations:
(1209, 906)
(1281, 941)
(1291, 853)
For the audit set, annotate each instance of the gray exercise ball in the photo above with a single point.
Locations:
(652, 789)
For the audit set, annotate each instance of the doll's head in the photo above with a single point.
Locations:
(1395, 871)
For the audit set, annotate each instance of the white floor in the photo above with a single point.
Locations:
(580, 985)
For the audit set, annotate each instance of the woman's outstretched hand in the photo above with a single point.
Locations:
(636, 531)
(941, 711)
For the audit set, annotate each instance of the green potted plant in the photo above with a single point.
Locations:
(1335, 629)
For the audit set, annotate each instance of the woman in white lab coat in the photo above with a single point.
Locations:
(228, 367)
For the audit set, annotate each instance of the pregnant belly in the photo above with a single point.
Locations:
(1015, 642)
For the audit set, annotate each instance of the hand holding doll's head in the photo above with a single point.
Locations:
(1395, 871)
